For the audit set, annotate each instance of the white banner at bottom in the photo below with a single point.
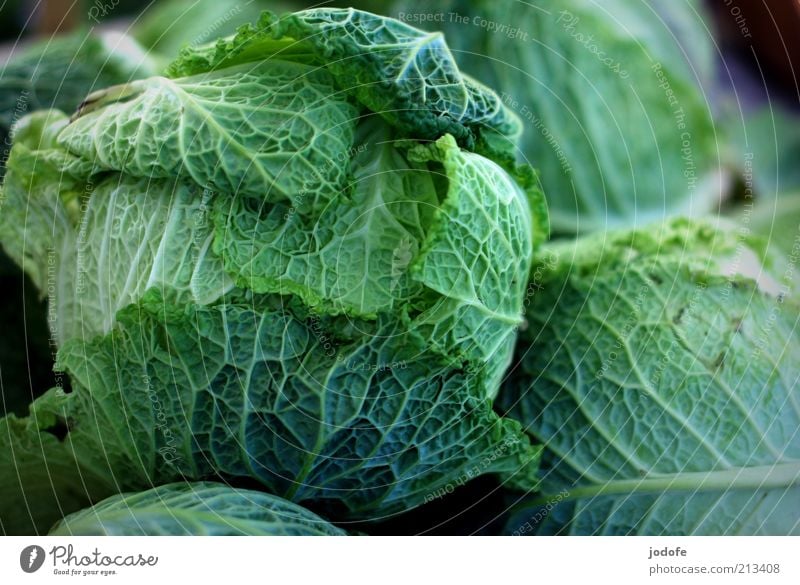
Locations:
(401, 560)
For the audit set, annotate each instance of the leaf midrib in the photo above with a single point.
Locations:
(780, 475)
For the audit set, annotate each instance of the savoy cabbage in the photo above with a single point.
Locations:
(660, 371)
(58, 72)
(297, 260)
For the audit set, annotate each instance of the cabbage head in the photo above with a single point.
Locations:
(660, 369)
(297, 261)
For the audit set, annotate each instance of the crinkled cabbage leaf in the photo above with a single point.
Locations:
(195, 509)
(257, 276)
(660, 370)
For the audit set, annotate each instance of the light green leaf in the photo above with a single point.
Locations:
(476, 257)
(94, 244)
(136, 234)
(40, 208)
(195, 509)
(402, 73)
(663, 386)
(270, 129)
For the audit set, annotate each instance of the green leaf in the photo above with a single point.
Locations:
(362, 426)
(476, 256)
(94, 244)
(268, 129)
(195, 509)
(39, 211)
(406, 75)
(663, 384)
(40, 478)
(462, 264)
(136, 234)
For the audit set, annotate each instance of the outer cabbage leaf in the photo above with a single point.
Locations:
(268, 129)
(136, 234)
(664, 386)
(406, 75)
(39, 212)
(37, 235)
(195, 509)
(359, 426)
(613, 115)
